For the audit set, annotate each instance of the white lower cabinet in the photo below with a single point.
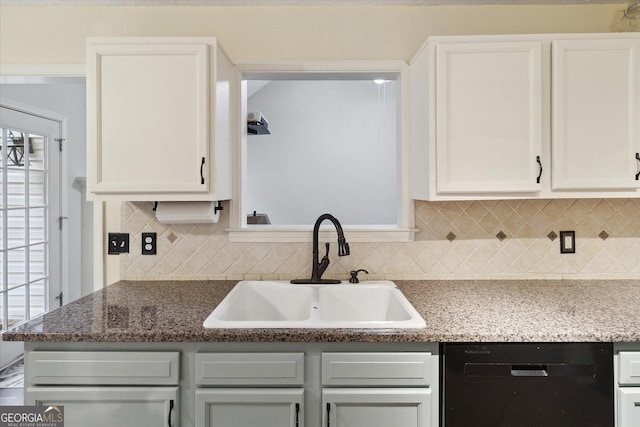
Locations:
(106, 388)
(249, 389)
(329, 389)
(250, 407)
(377, 389)
(628, 388)
(111, 406)
(376, 407)
(228, 384)
(629, 407)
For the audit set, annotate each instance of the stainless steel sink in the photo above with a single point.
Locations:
(276, 304)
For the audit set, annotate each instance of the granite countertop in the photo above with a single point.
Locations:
(454, 311)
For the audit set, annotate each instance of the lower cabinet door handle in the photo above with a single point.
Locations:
(297, 415)
(171, 403)
(328, 414)
(638, 159)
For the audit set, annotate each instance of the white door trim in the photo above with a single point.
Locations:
(11, 72)
(64, 208)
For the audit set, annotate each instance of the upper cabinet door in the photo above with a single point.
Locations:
(596, 114)
(151, 118)
(488, 117)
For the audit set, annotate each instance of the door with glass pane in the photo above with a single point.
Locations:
(29, 211)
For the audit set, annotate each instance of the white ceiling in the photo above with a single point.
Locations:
(303, 2)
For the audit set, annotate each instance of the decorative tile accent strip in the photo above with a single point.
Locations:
(451, 237)
(501, 236)
(204, 252)
(603, 235)
(552, 236)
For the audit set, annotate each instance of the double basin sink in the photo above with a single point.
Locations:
(279, 304)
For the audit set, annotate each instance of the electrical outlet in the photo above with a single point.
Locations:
(118, 243)
(149, 243)
(568, 242)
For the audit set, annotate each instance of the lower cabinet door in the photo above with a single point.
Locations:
(249, 407)
(110, 406)
(629, 407)
(376, 407)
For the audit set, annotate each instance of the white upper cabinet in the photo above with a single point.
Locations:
(526, 116)
(158, 119)
(488, 121)
(596, 114)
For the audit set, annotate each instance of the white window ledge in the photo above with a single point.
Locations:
(276, 234)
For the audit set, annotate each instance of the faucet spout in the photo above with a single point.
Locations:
(318, 267)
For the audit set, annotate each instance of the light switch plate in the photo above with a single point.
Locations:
(118, 243)
(568, 242)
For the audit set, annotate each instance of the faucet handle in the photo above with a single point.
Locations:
(324, 263)
(354, 275)
(326, 245)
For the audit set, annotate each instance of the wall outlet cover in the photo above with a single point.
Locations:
(149, 243)
(568, 242)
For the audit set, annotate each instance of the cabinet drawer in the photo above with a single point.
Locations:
(376, 369)
(629, 364)
(250, 369)
(103, 368)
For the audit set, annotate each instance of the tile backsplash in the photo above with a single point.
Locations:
(501, 239)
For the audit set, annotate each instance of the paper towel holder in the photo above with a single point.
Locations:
(188, 212)
(216, 208)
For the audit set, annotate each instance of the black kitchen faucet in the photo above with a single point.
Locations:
(318, 267)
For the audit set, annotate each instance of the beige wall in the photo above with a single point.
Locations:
(56, 34)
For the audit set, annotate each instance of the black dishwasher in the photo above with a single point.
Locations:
(527, 385)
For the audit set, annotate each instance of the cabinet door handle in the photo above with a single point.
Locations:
(328, 414)
(297, 415)
(170, 413)
(540, 173)
(202, 171)
(638, 159)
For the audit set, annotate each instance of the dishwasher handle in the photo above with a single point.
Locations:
(524, 370)
(529, 371)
